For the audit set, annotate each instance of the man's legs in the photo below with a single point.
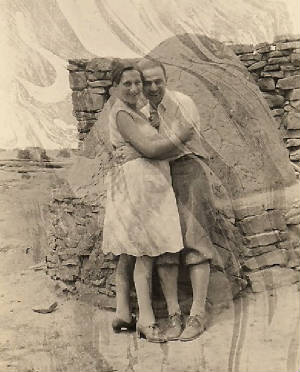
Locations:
(199, 275)
(167, 268)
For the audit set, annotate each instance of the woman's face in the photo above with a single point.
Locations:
(130, 86)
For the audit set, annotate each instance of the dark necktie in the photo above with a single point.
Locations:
(154, 118)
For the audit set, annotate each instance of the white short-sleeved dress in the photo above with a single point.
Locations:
(141, 215)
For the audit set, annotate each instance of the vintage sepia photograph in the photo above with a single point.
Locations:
(150, 186)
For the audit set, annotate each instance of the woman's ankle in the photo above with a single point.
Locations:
(124, 316)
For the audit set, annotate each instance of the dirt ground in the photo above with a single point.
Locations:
(256, 333)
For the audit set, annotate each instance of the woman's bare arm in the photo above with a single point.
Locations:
(147, 141)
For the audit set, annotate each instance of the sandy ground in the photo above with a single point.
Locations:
(256, 333)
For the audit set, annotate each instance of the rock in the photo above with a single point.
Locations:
(277, 219)
(248, 63)
(295, 59)
(288, 67)
(271, 67)
(294, 255)
(292, 212)
(293, 120)
(45, 310)
(77, 80)
(266, 84)
(68, 273)
(254, 76)
(295, 105)
(257, 251)
(74, 68)
(38, 267)
(99, 90)
(264, 49)
(296, 167)
(99, 282)
(273, 74)
(292, 133)
(294, 95)
(278, 60)
(99, 64)
(288, 108)
(290, 82)
(257, 65)
(274, 100)
(81, 62)
(242, 49)
(278, 257)
(255, 224)
(293, 220)
(96, 75)
(273, 277)
(295, 155)
(250, 56)
(265, 238)
(277, 112)
(292, 142)
(87, 101)
(278, 53)
(85, 115)
(288, 45)
(241, 211)
(100, 83)
(71, 262)
(261, 45)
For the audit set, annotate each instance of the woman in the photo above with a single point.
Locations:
(141, 219)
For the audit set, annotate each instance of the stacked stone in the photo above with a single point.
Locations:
(269, 253)
(275, 68)
(90, 82)
(74, 258)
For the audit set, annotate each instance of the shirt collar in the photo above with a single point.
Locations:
(165, 102)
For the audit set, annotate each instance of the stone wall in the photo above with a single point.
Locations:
(255, 235)
(275, 68)
(90, 82)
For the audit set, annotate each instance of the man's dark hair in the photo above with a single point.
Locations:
(147, 63)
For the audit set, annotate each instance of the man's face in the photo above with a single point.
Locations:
(154, 84)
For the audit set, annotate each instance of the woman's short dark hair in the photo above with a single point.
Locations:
(118, 68)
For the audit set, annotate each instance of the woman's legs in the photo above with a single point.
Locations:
(143, 286)
(123, 281)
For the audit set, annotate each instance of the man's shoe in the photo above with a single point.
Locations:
(174, 327)
(195, 325)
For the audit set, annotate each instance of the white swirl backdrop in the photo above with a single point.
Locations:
(37, 38)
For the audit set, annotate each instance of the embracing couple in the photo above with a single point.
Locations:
(159, 203)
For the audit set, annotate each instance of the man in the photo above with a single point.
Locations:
(166, 110)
